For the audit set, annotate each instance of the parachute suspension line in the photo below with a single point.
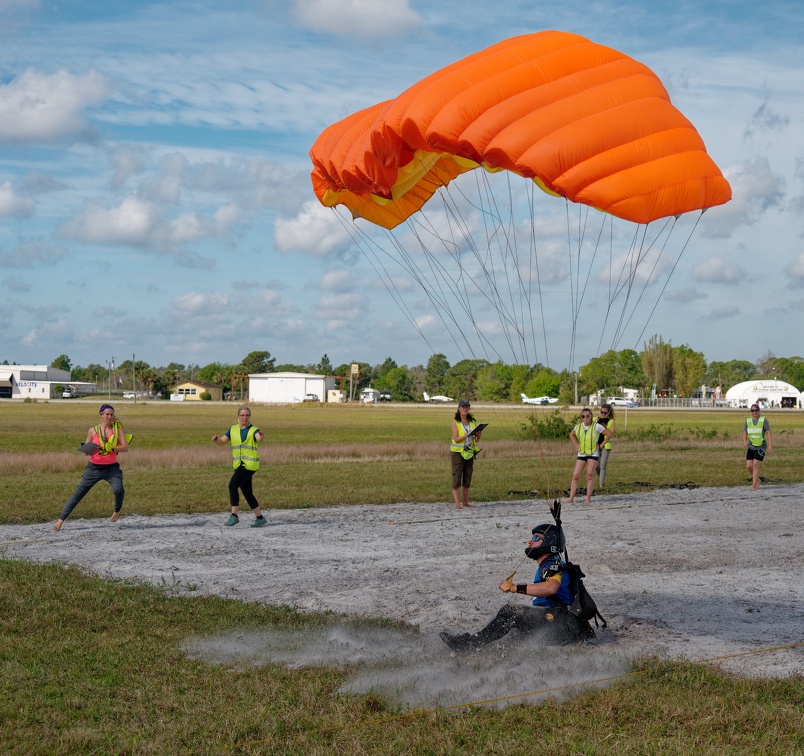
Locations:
(620, 285)
(490, 292)
(672, 270)
(505, 239)
(438, 298)
(356, 234)
(533, 259)
(576, 295)
(457, 286)
(665, 231)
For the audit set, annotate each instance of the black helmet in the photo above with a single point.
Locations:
(553, 541)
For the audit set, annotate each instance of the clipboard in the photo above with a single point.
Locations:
(88, 448)
(478, 428)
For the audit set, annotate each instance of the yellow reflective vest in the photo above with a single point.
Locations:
(460, 447)
(587, 439)
(756, 433)
(244, 452)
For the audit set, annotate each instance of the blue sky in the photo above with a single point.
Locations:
(155, 194)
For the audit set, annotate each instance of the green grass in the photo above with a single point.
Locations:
(335, 454)
(96, 666)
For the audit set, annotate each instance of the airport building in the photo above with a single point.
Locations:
(38, 382)
(765, 393)
(289, 388)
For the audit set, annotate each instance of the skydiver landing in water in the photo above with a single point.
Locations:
(549, 613)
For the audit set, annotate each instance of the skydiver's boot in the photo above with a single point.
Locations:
(500, 626)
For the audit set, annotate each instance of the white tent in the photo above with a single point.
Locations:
(766, 393)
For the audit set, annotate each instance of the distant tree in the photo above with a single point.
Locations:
(209, 372)
(389, 364)
(611, 371)
(657, 362)
(493, 382)
(766, 364)
(290, 367)
(399, 382)
(545, 382)
(790, 370)
(728, 374)
(461, 379)
(62, 362)
(258, 362)
(689, 367)
(325, 366)
(435, 374)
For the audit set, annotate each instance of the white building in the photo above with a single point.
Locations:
(288, 388)
(765, 393)
(37, 382)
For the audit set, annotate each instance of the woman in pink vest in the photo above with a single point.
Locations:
(110, 440)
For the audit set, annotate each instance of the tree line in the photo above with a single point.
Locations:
(660, 366)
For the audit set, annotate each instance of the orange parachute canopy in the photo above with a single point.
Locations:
(584, 121)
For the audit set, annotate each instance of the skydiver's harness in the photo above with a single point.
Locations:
(583, 605)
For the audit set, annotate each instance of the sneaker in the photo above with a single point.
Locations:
(233, 520)
(259, 522)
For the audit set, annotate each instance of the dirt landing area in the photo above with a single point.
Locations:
(697, 574)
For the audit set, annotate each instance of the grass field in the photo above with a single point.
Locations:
(95, 666)
(347, 454)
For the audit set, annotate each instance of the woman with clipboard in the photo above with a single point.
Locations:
(465, 435)
(104, 442)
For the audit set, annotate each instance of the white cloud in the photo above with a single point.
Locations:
(755, 189)
(196, 303)
(338, 280)
(795, 270)
(314, 231)
(46, 107)
(13, 206)
(358, 18)
(127, 161)
(715, 270)
(130, 223)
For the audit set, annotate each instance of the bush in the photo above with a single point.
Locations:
(205, 396)
(552, 426)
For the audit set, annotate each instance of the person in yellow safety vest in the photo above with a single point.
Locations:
(586, 436)
(758, 441)
(462, 453)
(606, 418)
(107, 440)
(244, 438)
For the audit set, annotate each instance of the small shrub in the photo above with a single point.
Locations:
(552, 426)
(205, 396)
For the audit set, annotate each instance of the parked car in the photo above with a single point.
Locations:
(620, 401)
(69, 393)
(385, 396)
(311, 398)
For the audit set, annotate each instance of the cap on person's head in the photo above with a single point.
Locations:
(464, 403)
(754, 406)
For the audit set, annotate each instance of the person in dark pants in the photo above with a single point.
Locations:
(548, 615)
(244, 438)
(109, 440)
(462, 454)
